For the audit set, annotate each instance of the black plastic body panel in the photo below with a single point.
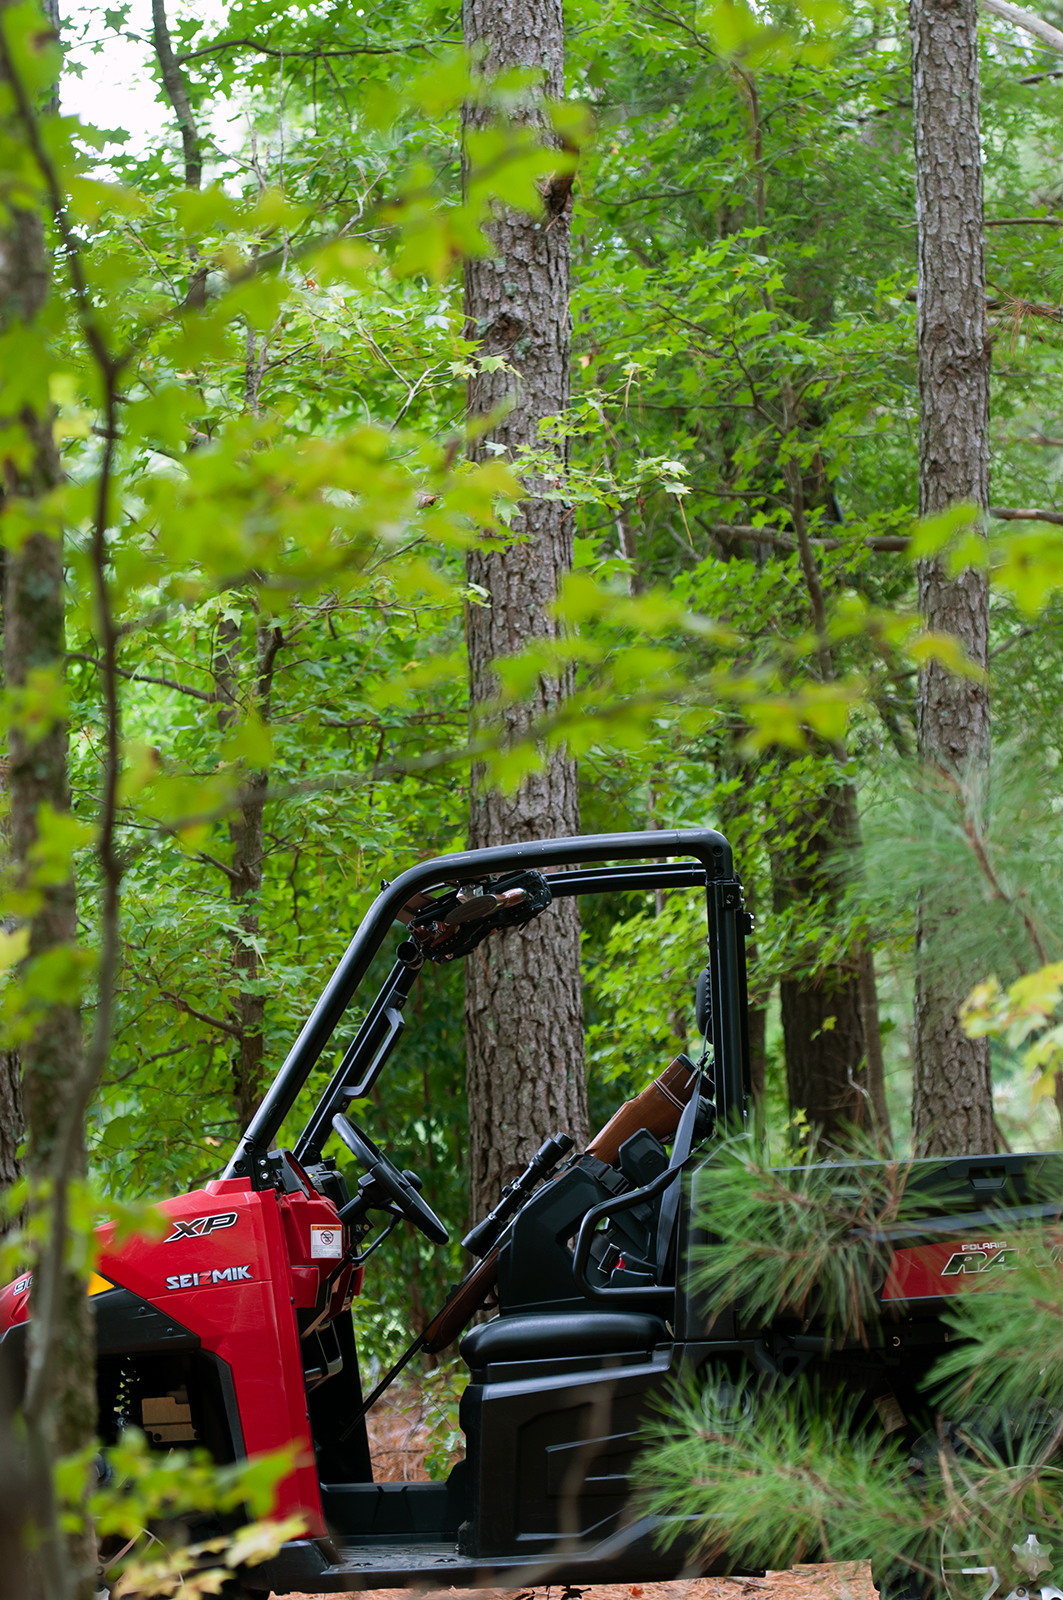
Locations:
(535, 1264)
(126, 1323)
(549, 1453)
(331, 1406)
(398, 1512)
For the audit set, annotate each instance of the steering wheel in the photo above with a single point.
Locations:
(396, 1184)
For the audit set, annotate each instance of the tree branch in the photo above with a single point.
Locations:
(888, 542)
(783, 541)
(1008, 514)
(306, 55)
(1027, 21)
(145, 677)
(201, 1016)
(212, 861)
(174, 83)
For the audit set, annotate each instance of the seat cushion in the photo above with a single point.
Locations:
(571, 1333)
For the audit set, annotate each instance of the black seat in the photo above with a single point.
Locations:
(572, 1333)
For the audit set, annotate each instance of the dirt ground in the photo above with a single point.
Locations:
(842, 1582)
(397, 1442)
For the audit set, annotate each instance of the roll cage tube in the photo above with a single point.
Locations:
(383, 1022)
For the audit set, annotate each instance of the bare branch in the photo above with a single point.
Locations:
(212, 861)
(310, 55)
(1008, 514)
(783, 541)
(145, 677)
(201, 1016)
(1027, 21)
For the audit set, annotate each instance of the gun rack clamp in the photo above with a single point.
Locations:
(452, 923)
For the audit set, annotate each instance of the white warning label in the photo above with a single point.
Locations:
(326, 1241)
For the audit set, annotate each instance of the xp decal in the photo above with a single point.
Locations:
(199, 1280)
(200, 1226)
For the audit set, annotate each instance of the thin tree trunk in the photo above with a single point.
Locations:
(869, 1016)
(523, 995)
(756, 1018)
(952, 1105)
(852, 1090)
(177, 92)
(244, 870)
(12, 1126)
(245, 866)
(824, 1040)
(60, 1410)
(757, 1022)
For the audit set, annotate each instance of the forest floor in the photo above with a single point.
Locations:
(398, 1438)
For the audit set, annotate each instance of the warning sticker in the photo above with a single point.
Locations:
(326, 1241)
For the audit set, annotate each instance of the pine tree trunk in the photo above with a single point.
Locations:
(952, 1107)
(822, 1014)
(824, 1040)
(60, 1408)
(523, 996)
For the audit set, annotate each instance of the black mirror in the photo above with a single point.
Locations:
(703, 1003)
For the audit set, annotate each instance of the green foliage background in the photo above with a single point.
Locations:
(290, 456)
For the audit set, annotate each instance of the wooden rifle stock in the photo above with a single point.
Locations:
(463, 1304)
(657, 1108)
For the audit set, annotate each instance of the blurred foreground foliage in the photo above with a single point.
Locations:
(812, 1462)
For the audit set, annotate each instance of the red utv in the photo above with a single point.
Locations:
(235, 1330)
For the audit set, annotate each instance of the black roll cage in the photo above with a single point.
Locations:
(364, 1058)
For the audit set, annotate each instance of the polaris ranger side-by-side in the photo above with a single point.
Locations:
(235, 1330)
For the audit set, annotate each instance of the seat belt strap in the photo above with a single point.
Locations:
(684, 1138)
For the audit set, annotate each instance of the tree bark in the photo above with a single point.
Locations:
(177, 92)
(824, 1039)
(60, 1411)
(952, 1107)
(12, 1127)
(523, 995)
(822, 1014)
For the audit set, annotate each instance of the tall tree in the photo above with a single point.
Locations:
(59, 1407)
(952, 1106)
(523, 998)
